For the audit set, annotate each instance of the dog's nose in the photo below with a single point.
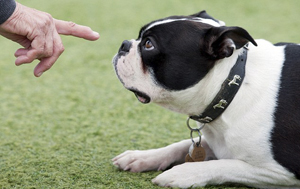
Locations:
(125, 47)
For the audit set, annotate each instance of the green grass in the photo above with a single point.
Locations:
(61, 130)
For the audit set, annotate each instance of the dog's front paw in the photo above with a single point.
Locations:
(182, 176)
(139, 161)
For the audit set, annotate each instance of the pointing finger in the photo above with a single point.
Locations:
(70, 28)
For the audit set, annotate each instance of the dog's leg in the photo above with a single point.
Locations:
(157, 159)
(225, 171)
(154, 159)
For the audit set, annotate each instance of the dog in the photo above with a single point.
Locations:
(243, 93)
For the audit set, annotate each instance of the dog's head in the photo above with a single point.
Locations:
(174, 54)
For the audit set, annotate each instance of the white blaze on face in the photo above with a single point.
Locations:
(195, 19)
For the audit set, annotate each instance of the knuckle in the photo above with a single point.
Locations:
(48, 66)
(60, 49)
(71, 24)
(48, 18)
(48, 53)
(37, 53)
(48, 15)
(45, 21)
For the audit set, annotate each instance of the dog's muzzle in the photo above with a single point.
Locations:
(123, 50)
(125, 47)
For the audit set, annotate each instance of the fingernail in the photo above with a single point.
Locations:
(96, 34)
(39, 74)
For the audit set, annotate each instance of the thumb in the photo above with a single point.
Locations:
(70, 28)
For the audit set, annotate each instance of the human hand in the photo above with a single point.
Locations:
(39, 33)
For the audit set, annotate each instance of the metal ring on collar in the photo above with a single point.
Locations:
(192, 138)
(193, 129)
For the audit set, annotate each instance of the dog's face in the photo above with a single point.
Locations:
(174, 54)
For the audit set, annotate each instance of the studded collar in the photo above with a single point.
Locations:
(227, 92)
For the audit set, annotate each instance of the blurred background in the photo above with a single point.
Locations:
(61, 130)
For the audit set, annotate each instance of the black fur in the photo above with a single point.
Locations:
(285, 136)
(167, 62)
(198, 48)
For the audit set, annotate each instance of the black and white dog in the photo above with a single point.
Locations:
(243, 93)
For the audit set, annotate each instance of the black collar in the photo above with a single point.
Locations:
(227, 92)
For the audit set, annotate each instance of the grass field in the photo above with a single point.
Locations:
(61, 130)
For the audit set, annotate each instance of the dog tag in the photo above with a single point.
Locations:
(196, 153)
(188, 158)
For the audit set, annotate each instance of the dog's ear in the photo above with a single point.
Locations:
(203, 14)
(220, 42)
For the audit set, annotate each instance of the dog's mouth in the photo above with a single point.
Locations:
(142, 97)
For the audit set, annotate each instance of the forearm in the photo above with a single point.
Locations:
(7, 7)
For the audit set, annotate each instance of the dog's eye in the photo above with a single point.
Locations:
(148, 45)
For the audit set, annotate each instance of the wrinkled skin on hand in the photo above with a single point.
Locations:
(38, 33)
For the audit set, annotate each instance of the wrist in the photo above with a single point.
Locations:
(7, 7)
